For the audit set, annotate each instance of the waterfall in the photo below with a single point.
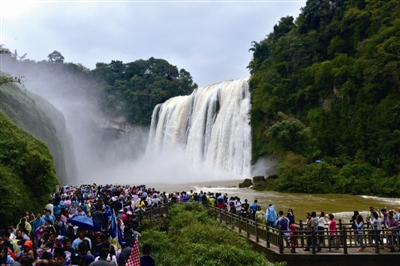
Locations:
(211, 125)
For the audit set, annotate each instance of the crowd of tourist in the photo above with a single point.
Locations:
(57, 235)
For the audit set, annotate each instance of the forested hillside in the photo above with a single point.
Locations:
(26, 172)
(38, 117)
(326, 86)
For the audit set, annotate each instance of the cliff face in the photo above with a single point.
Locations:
(41, 119)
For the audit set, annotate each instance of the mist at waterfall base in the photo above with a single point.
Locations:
(104, 155)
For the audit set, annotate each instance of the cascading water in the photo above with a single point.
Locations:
(211, 125)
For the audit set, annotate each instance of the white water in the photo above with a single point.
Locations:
(211, 126)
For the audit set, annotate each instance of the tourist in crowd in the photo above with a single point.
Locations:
(283, 223)
(360, 232)
(293, 236)
(312, 224)
(290, 214)
(392, 225)
(271, 216)
(5, 258)
(332, 232)
(260, 217)
(146, 259)
(253, 208)
(321, 228)
(376, 223)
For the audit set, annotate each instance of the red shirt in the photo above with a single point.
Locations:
(332, 227)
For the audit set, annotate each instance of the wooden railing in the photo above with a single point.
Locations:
(343, 239)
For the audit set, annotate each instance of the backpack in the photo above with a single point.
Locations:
(316, 221)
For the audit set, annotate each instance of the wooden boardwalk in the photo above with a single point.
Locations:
(271, 242)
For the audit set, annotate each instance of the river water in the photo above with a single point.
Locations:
(340, 205)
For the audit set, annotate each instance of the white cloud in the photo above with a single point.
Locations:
(209, 39)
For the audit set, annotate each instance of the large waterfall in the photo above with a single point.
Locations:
(211, 125)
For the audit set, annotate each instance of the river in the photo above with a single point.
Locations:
(341, 206)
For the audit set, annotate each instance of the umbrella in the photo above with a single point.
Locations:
(84, 221)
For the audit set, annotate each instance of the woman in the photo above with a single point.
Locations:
(353, 224)
(5, 259)
(321, 228)
(332, 232)
(359, 222)
(260, 217)
(293, 236)
(376, 222)
(290, 214)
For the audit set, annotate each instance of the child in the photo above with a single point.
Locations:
(293, 236)
(146, 260)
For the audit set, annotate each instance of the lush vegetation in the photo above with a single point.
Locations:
(198, 239)
(326, 86)
(26, 173)
(35, 115)
(119, 89)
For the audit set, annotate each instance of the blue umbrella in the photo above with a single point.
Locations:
(84, 221)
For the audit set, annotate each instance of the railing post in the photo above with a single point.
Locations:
(313, 239)
(344, 239)
(280, 239)
(301, 229)
(256, 224)
(239, 223)
(376, 239)
(247, 227)
(340, 228)
(151, 213)
(267, 234)
(232, 226)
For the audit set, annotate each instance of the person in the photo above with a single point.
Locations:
(321, 228)
(293, 236)
(271, 216)
(376, 224)
(254, 207)
(146, 259)
(83, 249)
(332, 232)
(312, 223)
(81, 237)
(27, 251)
(391, 226)
(283, 222)
(245, 209)
(360, 232)
(353, 224)
(5, 259)
(290, 214)
(38, 222)
(50, 207)
(98, 216)
(60, 257)
(111, 258)
(260, 217)
(24, 225)
(102, 259)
